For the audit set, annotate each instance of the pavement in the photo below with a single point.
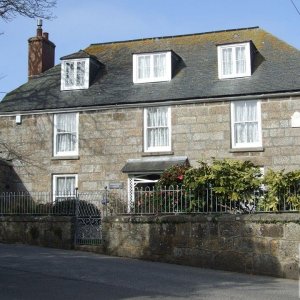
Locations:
(29, 272)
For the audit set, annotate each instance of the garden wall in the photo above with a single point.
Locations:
(266, 244)
(47, 231)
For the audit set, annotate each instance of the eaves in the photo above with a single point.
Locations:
(168, 102)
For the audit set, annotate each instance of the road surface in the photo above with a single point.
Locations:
(28, 272)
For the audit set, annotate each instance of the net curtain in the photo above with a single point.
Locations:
(234, 57)
(157, 127)
(66, 137)
(246, 122)
(65, 185)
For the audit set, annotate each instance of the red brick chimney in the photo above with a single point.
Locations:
(40, 52)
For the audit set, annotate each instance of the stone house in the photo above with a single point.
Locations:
(117, 114)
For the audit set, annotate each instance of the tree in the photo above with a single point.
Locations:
(26, 8)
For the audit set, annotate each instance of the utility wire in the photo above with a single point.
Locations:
(295, 7)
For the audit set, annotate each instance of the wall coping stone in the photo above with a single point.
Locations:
(256, 218)
(30, 218)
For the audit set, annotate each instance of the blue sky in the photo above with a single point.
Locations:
(80, 23)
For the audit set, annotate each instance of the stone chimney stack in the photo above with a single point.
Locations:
(40, 52)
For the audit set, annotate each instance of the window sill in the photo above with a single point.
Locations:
(249, 149)
(240, 76)
(136, 81)
(74, 88)
(71, 157)
(157, 153)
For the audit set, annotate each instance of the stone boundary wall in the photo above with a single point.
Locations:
(47, 231)
(265, 244)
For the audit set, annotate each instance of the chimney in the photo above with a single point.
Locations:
(40, 52)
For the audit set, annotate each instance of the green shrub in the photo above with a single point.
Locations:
(229, 179)
(282, 191)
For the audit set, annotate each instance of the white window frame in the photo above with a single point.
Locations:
(234, 74)
(70, 194)
(65, 153)
(86, 83)
(259, 128)
(162, 148)
(152, 78)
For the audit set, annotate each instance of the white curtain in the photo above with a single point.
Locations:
(66, 137)
(159, 65)
(240, 55)
(65, 186)
(246, 122)
(144, 67)
(69, 76)
(157, 127)
(227, 61)
(80, 73)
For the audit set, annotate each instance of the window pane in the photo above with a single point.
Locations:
(245, 111)
(240, 60)
(159, 65)
(65, 186)
(158, 137)
(60, 185)
(252, 133)
(80, 73)
(144, 67)
(157, 117)
(66, 142)
(227, 61)
(69, 76)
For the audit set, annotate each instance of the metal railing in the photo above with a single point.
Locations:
(46, 203)
(178, 200)
(171, 200)
(38, 203)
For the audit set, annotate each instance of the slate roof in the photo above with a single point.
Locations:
(76, 55)
(276, 69)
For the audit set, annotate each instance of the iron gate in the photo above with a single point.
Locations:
(89, 212)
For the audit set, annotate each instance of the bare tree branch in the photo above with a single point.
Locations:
(295, 7)
(9, 9)
(15, 153)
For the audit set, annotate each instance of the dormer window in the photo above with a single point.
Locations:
(152, 67)
(75, 74)
(234, 60)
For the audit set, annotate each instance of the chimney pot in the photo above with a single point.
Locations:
(39, 30)
(39, 22)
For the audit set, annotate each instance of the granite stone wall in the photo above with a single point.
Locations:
(109, 137)
(265, 244)
(47, 231)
